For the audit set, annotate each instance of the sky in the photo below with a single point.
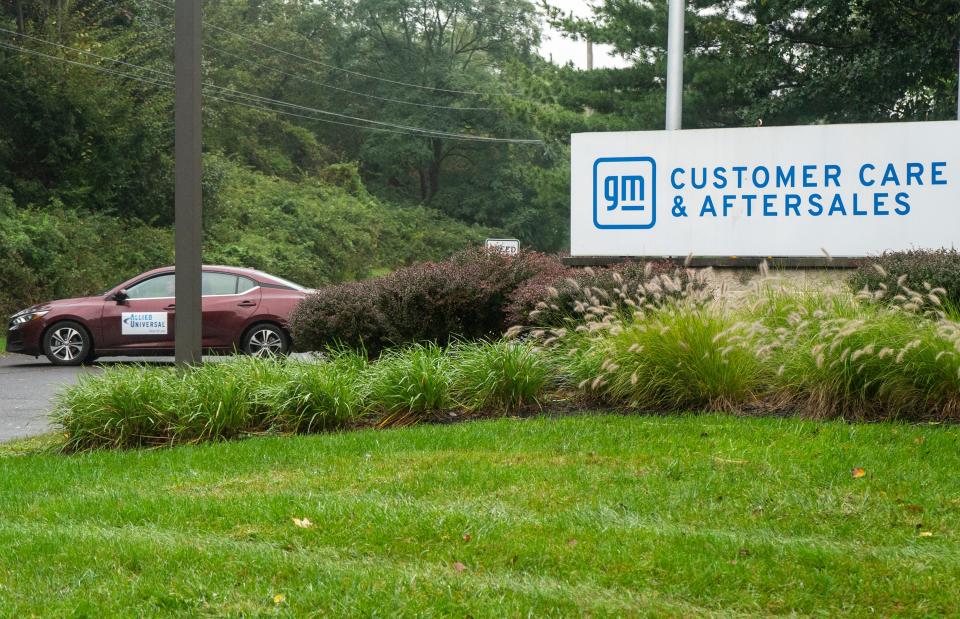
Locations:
(565, 50)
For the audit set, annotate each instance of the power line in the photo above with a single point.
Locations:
(383, 126)
(347, 90)
(170, 84)
(348, 71)
(18, 48)
(250, 96)
(254, 63)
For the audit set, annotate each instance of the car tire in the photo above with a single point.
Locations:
(265, 340)
(67, 343)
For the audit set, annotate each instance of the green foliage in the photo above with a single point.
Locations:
(835, 357)
(463, 296)
(314, 232)
(779, 63)
(123, 406)
(894, 274)
(555, 299)
(409, 383)
(58, 253)
(681, 356)
(316, 397)
(501, 375)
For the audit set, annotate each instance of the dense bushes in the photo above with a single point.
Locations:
(464, 296)
(549, 298)
(56, 252)
(817, 353)
(917, 269)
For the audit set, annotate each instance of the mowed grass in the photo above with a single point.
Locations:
(601, 515)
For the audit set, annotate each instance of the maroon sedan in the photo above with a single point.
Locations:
(243, 309)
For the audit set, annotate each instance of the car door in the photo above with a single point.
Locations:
(228, 302)
(144, 320)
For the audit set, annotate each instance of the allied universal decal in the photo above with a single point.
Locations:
(143, 323)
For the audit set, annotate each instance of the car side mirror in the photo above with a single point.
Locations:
(120, 296)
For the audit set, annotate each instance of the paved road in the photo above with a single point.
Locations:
(27, 389)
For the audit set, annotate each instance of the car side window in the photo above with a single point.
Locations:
(219, 284)
(244, 284)
(159, 287)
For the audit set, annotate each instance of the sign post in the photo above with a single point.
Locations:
(675, 24)
(188, 198)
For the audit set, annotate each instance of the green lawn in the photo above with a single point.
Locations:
(603, 515)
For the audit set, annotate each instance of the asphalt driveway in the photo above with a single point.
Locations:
(28, 387)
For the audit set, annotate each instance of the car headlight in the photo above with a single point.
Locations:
(23, 318)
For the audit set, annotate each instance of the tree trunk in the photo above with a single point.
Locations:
(423, 186)
(20, 25)
(433, 175)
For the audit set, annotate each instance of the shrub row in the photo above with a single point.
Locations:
(130, 406)
(475, 294)
(462, 297)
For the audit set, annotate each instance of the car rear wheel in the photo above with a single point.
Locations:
(265, 340)
(67, 343)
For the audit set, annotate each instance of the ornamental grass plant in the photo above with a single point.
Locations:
(500, 376)
(124, 406)
(408, 384)
(316, 397)
(844, 355)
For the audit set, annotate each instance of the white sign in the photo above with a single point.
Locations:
(507, 246)
(143, 323)
(852, 190)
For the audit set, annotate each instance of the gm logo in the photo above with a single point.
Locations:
(624, 192)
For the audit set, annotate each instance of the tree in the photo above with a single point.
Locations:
(783, 61)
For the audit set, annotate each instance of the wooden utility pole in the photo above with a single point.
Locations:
(188, 206)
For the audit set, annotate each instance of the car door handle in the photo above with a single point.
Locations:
(247, 303)
(171, 306)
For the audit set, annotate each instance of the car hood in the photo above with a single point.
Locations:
(49, 305)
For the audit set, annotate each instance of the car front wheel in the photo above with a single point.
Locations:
(67, 343)
(265, 340)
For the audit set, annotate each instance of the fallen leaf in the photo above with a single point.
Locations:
(459, 566)
(858, 472)
(466, 537)
(926, 533)
(279, 598)
(729, 460)
(918, 440)
(303, 523)
(913, 507)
